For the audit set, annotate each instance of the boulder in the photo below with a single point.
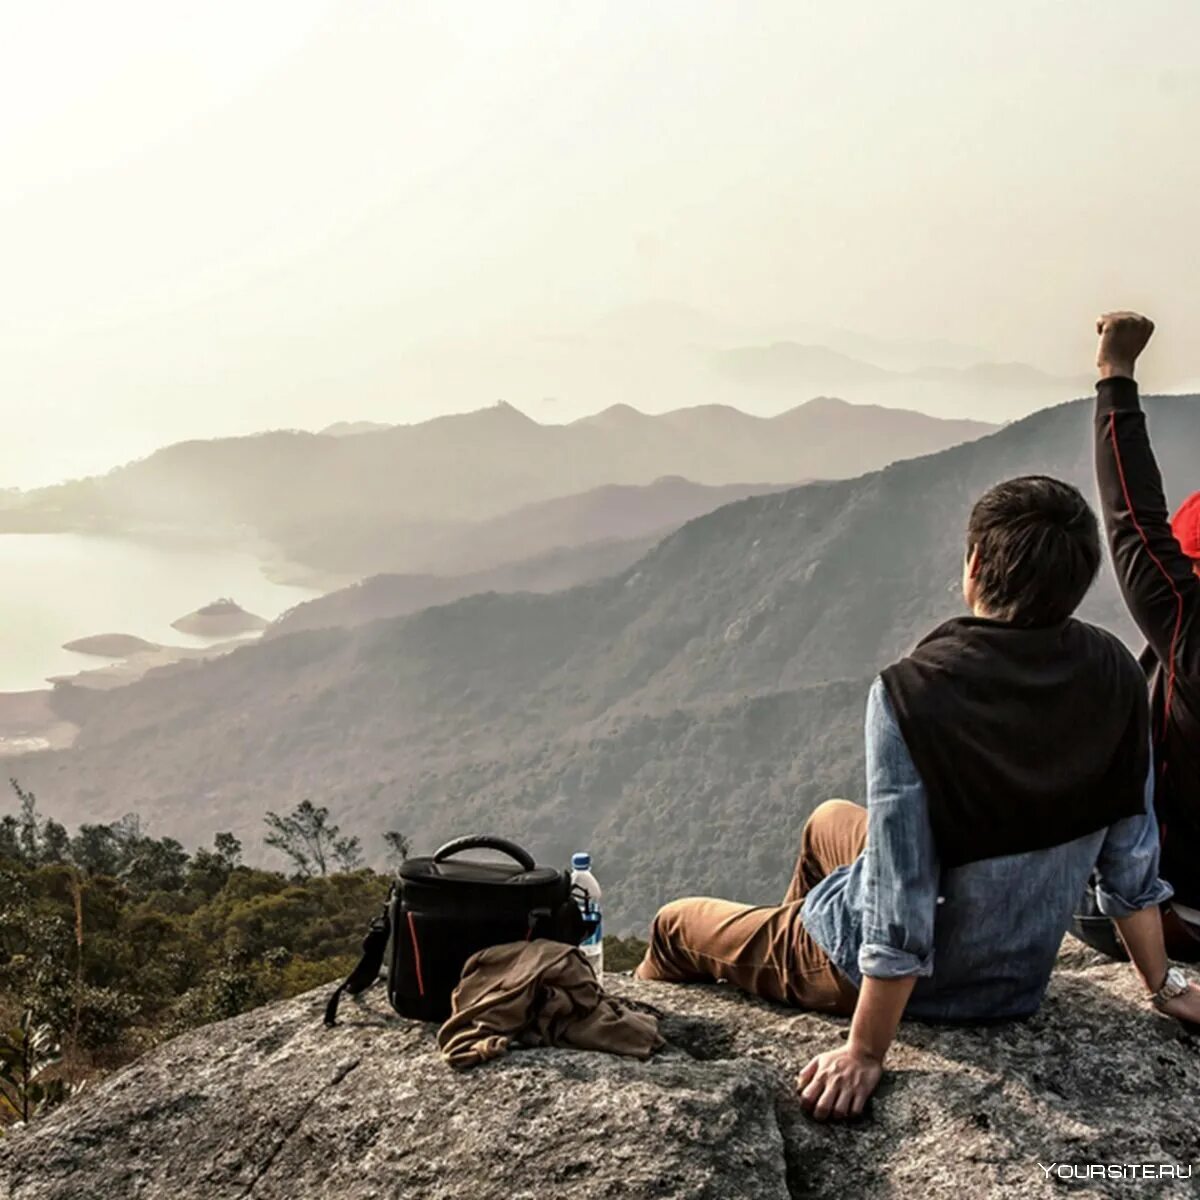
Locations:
(273, 1106)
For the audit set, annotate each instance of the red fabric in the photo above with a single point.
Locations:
(1185, 525)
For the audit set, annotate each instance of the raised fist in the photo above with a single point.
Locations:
(1123, 336)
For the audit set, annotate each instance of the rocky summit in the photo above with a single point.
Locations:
(273, 1106)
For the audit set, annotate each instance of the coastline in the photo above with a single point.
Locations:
(28, 723)
(102, 661)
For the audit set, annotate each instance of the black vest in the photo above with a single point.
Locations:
(1023, 738)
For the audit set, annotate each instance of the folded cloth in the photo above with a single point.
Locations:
(538, 993)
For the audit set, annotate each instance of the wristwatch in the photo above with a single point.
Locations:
(1174, 986)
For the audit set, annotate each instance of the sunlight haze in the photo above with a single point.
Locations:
(231, 217)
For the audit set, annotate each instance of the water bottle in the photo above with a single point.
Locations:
(587, 895)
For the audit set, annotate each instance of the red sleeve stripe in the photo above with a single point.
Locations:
(1112, 434)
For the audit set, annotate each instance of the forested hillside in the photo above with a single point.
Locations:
(380, 596)
(112, 940)
(542, 547)
(680, 719)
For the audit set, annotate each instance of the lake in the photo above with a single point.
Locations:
(55, 587)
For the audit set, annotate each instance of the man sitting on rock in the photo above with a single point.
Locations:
(1158, 563)
(1007, 758)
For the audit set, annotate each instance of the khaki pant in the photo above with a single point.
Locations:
(764, 949)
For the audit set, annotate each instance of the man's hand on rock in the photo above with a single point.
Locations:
(837, 1084)
(1123, 336)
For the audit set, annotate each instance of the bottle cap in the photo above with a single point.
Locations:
(581, 861)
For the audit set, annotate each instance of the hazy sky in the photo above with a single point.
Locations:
(220, 217)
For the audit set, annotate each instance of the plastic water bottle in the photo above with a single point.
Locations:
(587, 896)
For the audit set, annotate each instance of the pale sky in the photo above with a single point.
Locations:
(223, 217)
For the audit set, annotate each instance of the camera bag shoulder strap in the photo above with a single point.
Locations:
(367, 971)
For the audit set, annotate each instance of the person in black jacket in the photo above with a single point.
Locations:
(1157, 562)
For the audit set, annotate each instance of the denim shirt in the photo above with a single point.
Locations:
(983, 937)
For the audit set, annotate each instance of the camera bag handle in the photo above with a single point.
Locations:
(486, 842)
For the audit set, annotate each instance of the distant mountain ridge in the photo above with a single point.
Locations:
(681, 355)
(340, 503)
(353, 428)
(541, 547)
(615, 512)
(390, 595)
(793, 364)
(679, 718)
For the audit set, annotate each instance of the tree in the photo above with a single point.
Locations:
(128, 830)
(398, 848)
(26, 840)
(26, 1054)
(10, 847)
(228, 849)
(113, 939)
(96, 851)
(27, 824)
(348, 853)
(56, 843)
(154, 865)
(122, 851)
(310, 841)
(210, 870)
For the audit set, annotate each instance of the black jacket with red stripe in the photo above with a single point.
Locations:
(1162, 592)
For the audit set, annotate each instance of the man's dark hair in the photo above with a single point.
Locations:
(1039, 549)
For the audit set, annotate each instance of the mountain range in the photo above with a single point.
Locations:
(543, 547)
(663, 355)
(793, 365)
(679, 718)
(360, 504)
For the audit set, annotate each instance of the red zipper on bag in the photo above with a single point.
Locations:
(412, 933)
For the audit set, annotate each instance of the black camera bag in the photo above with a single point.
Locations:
(441, 910)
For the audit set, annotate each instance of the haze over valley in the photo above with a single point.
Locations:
(481, 501)
(544, 420)
(228, 222)
(708, 682)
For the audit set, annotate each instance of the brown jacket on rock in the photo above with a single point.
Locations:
(538, 993)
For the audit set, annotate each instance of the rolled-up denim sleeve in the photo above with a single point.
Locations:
(1126, 874)
(900, 867)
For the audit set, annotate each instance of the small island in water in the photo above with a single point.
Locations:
(221, 619)
(111, 645)
(224, 625)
